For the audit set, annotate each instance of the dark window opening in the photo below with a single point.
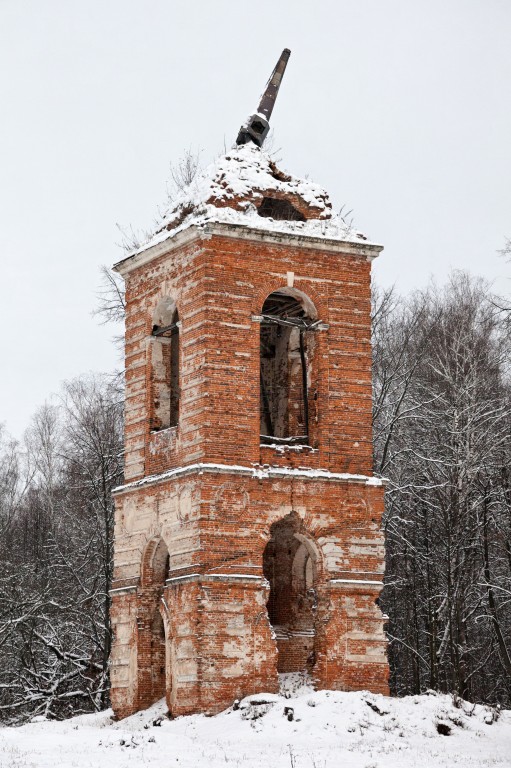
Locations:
(257, 126)
(165, 374)
(281, 210)
(286, 352)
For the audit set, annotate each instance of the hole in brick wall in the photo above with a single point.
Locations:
(289, 564)
(287, 352)
(165, 366)
(280, 210)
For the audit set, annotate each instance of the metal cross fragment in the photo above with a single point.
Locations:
(257, 126)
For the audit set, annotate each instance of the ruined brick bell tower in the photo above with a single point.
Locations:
(247, 535)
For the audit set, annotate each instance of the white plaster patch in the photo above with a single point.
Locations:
(185, 508)
(233, 649)
(128, 514)
(372, 550)
(233, 670)
(185, 649)
(235, 623)
(332, 553)
(168, 510)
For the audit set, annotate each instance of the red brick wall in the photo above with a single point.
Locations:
(216, 523)
(218, 285)
(216, 534)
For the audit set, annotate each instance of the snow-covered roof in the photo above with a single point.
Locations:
(235, 186)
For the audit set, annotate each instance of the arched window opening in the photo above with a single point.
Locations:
(287, 346)
(165, 367)
(289, 565)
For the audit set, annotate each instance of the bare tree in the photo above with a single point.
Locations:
(446, 460)
(56, 561)
(183, 172)
(111, 303)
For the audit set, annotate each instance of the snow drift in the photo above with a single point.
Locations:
(297, 729)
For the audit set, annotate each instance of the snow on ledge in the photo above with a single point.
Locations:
(356, 583)
(213, 577)
(258, 472)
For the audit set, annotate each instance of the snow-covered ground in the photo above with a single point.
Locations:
(325, 729)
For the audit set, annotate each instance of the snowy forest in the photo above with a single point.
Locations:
(442, 418)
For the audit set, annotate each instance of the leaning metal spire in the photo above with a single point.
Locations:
(257, 126)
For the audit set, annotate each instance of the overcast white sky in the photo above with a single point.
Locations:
(402, 110)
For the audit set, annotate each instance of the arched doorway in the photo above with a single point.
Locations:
(152, 641)
(290, 566)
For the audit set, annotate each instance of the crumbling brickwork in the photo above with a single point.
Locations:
(239, 555)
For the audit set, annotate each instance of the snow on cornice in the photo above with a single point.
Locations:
(256, 471)
(231, 189)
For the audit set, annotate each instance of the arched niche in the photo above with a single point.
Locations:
(288, 368)
(155, 564)
(165, 365)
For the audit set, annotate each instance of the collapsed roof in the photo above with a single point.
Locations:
(246, 187)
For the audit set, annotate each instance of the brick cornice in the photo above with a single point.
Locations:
(258, 472)
(365, 250)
